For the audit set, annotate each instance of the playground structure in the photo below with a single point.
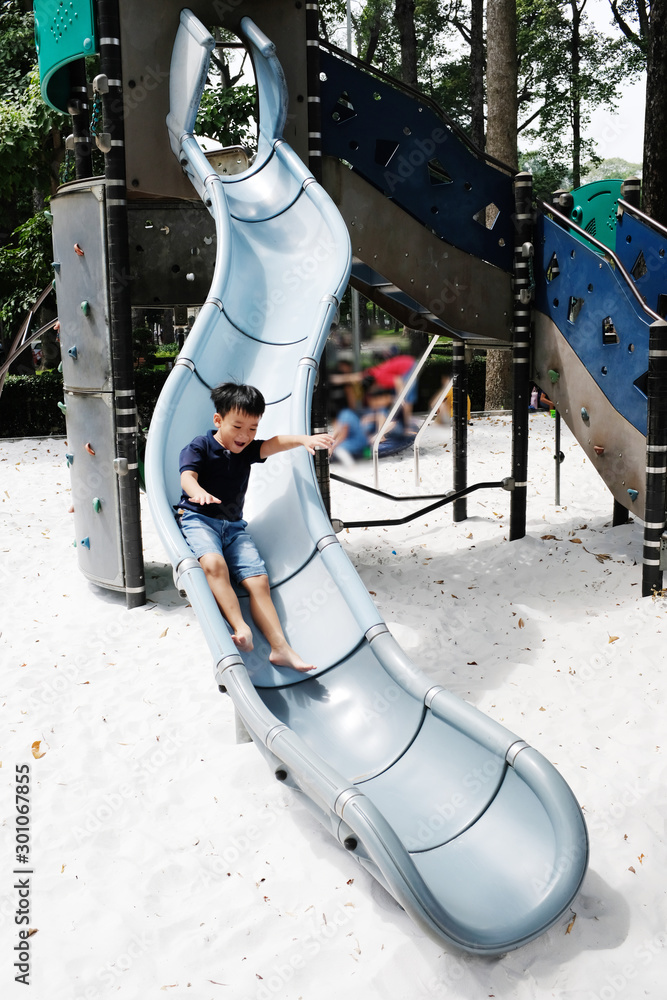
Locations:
(474, 261)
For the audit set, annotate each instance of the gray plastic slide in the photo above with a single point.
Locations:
(472, 831)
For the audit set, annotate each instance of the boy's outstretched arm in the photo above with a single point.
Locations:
(192, 489)
(285, 442)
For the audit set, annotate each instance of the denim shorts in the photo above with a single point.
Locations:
(226, 538)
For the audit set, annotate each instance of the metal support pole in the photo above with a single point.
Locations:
(356, 330)
(557, 458)
(120, 318)
(620, 515)
(523, 294)
(319, 408)
(656, 458)
(460, 427)
(631, 192)
(78, 109)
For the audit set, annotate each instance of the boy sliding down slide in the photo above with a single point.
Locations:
(215, 469)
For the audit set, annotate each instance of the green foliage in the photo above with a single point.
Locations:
(225, 115)
(29, 405)
(29, 134)
(614, 167)
(563, 76)
(24, 269)
(167, 350)
(17, 48)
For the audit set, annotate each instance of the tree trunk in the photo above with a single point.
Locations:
(404, 18)
(477, 73)
(655, 123)
(575, 92)
(501, 142)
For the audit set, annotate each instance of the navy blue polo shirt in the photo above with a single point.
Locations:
(220, 472)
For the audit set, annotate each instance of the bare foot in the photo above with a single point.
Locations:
(285, 656)
(242, 639)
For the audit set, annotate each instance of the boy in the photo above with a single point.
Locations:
(215, 469)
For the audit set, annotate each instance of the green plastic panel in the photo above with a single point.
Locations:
(595, 209)
(64, 32)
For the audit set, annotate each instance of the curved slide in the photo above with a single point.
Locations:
(473, 832)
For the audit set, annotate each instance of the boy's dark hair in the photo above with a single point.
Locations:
(244, 398)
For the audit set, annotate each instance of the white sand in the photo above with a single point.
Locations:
(167, 860)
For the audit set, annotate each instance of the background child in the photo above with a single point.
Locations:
(215, 469)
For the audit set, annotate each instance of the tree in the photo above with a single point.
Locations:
(404, 18)
(655, 123)
(31, 151)
(566, 69)
(501, 142)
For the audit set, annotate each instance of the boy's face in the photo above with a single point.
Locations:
(235, 430)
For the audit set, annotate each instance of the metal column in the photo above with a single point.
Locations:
(656, 458)
(126, 462)
(460, 427)
(523, 292)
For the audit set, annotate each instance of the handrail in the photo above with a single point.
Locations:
(22, 340)
(627, 207)
(398, 402)
(440, 398)
(550, 210)
(392, 81)
(505, 484)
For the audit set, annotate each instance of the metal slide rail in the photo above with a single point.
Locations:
(611, 255)
(638, 387)
(488, 864)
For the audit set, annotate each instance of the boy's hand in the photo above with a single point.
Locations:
(201, 497)
(313, 441)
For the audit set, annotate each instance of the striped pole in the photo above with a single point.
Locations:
(656, 458)
(521, 339)
(460, 427)
(78, 109)
(120, 319)
(631, 192)
(313, 85)
(320, 396)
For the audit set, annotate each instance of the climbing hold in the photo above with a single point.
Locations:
(55, 264)
(85, 307)
(73, 353)
(89, 448)
(97, 505)
(598, 449)
(633, 494)
(584, 414)
(60, 367)
(78, 251)
(62, 407)
(70, 459)
(554, 375)
(85, 542)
